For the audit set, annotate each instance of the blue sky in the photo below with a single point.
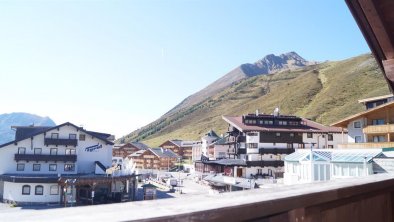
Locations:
(115, 66)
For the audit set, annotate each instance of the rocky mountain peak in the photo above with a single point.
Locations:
(272, 63)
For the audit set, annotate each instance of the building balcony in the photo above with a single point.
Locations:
(276, 151)
(57, 142)
(366, 145)
(376, 129)
(265, 163)
(37, 157)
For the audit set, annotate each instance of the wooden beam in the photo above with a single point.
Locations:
(389, 69)
(378, 27)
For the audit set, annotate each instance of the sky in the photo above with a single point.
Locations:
(115, 66)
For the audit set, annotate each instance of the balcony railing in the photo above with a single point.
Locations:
(37, 157)
(64, 142)
(354, 199)
(265, 163)
(275, 151)
(389, 128)
(366, 145)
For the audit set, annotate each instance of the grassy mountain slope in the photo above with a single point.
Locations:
(325, 93)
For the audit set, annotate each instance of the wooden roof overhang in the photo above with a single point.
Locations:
(375, 19)
(92, 180)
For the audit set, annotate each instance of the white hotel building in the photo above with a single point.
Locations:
(60, 164)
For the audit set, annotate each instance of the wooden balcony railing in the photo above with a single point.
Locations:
(64, 142)
(375, 129)
(354, 199)
(366, 145)
(37, 157)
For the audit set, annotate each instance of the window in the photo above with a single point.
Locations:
(268, 122)
(39, 190)
(378, 122)
(53, 151)
(330, 137)
(252, 145)
(260, 171)
(70, 151)
(290, 145)
(72, 136)
(309, 135)
(357, 124)
(55, 135)
(252, 134)
(36, 167)
(357, 139)
(37, 151)
(69, 167)
(82, 137)
(20, 167)
(52, 167)
(330, 146)
(291, 134)
(26, 190)
(282, 123)
(21, 150)
(54, 190)
(277, 134)
(377, 139)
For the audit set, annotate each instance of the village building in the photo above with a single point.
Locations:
(305, 166)
(182, 148)
(154, 158)
(123, 150)
(262, 141)
(61, 164)
(372, 128)
(211, 146)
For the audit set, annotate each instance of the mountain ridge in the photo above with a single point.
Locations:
(267, 65)
(324, 92)
(19, 119)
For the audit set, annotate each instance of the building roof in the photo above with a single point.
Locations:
(375, 98)
(137, 153)
(27, 131)
(351, 156)
(304, 155)
(163, 153)
(347, 120)
(376, 21)
(27, 134)
(183, 143)
(310, 126)
(140, 145)
(335, 155)
(211, 133)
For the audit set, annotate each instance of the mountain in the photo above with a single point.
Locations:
(267, 65)
(19, 119)
(324, 92)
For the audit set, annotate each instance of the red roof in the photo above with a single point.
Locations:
(309, 126)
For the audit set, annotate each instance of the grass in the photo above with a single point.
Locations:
(325, 93)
